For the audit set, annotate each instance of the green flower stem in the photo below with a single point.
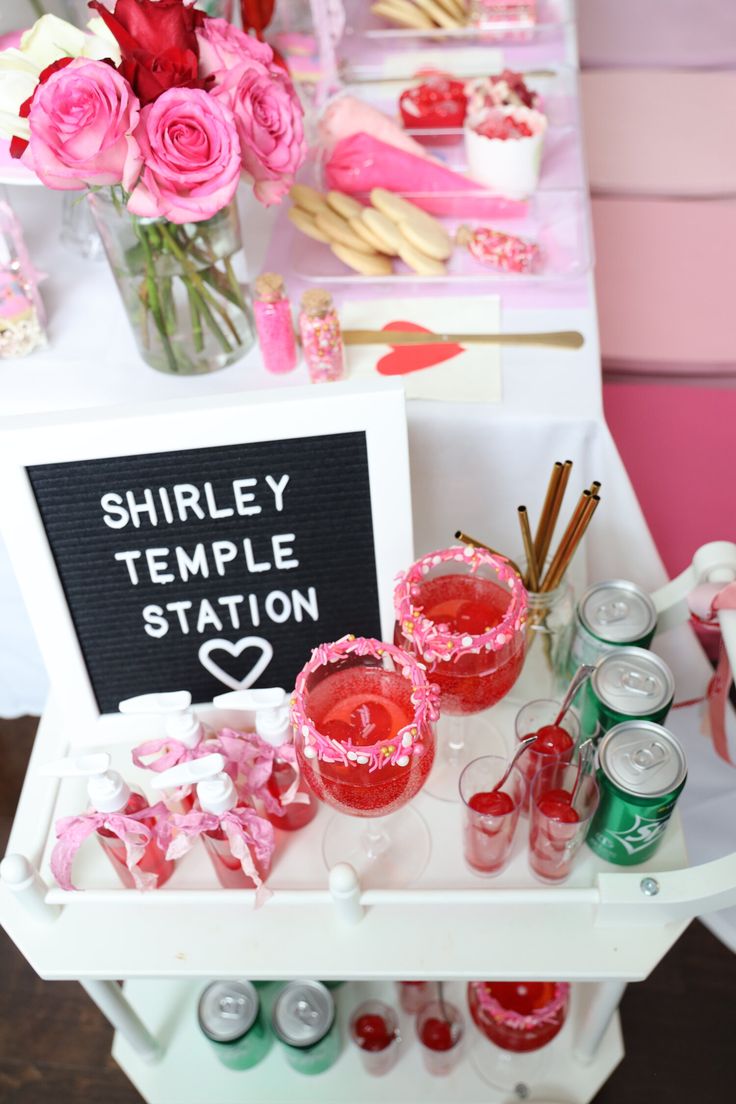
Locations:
(197, 335)
(168, 306)
(207, 300)
(154, 301)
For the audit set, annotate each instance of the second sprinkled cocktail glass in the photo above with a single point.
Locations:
(462, 612)
(364, 715)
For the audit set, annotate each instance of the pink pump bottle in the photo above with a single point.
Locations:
(272, 724)
(108, 792)
(216, 794)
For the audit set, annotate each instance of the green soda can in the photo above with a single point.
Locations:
(628, 684)
(641, 773)
(304, 1021)
(230, 1015)
(611, 615)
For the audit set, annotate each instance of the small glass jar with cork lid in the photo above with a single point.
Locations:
(321, 337)
(274, 324)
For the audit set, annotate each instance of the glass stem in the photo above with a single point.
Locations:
(455, 737)
(376, 839)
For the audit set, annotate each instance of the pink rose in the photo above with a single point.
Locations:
(223, 47)
(191, 157)
(270, 125)
(81, 123)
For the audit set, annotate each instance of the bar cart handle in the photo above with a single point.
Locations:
(643, 899)
(20, 876)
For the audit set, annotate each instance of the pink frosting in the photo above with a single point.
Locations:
(346, 116)
(396, 749)
(432, 640)
(361, 162)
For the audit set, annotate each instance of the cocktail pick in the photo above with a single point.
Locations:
(525, 743)
(586, 751)
(583, 673)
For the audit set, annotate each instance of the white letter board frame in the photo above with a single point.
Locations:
(375, 408)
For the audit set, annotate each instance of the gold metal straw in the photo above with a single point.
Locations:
(531, 581)
(459, 535)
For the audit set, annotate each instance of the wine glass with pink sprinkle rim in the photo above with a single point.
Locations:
(364, 715)
(518, 1020)
(462, 611)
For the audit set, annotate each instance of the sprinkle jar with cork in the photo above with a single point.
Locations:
(274, 325)
(322, 344)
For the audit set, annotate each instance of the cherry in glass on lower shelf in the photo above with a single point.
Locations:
(374, 1028)
(462, 611)
(440, 1030)
(363, 715)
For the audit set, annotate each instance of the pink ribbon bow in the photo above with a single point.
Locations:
(174, 752)
(255, 762)
(72, 831)
(252, 841)
(705, 603)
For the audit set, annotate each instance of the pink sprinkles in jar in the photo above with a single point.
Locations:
(321, 337)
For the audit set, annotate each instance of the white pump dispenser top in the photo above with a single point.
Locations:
(107, 790)
(270, 707)
(180, 719)
(215, 789)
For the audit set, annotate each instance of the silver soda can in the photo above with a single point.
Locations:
(230, 1015)
(611, 615)
(303, 1019)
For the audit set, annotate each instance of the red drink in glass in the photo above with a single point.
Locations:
(374, 1028)
(468, 606)
(363, 715)
(555, 743)
(556, 828)
(362, 706)
(491, 815)
(440, 1031)
(518, 1016)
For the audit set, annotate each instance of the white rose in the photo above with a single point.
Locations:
(51, 38)
(18, 79)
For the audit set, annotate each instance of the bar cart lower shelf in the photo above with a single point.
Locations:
(189, 1072)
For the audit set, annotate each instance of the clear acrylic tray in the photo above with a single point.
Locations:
(361, 22)
(556, 220)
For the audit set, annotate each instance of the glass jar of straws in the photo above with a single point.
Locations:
(550, 593)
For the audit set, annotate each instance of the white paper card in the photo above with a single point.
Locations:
(470, 373)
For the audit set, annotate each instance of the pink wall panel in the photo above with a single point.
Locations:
(678, 443)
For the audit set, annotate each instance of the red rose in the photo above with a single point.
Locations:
(158, 44)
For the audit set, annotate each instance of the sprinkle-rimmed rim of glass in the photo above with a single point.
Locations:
(395, 750)
(516, 1020)
(435, 643)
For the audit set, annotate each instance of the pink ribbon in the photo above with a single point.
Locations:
(27, 272)
(72, 831)
(252, 841)
(705, 603)
(256, 758)
(174, 752)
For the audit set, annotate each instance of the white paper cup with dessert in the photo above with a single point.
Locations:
(508, 165)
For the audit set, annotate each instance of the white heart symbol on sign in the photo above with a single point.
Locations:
(205, 658)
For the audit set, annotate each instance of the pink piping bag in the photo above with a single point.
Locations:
(361, 162)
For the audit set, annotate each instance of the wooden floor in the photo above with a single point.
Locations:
(679, 1025)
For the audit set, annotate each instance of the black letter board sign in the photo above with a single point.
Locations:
(215, 568)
